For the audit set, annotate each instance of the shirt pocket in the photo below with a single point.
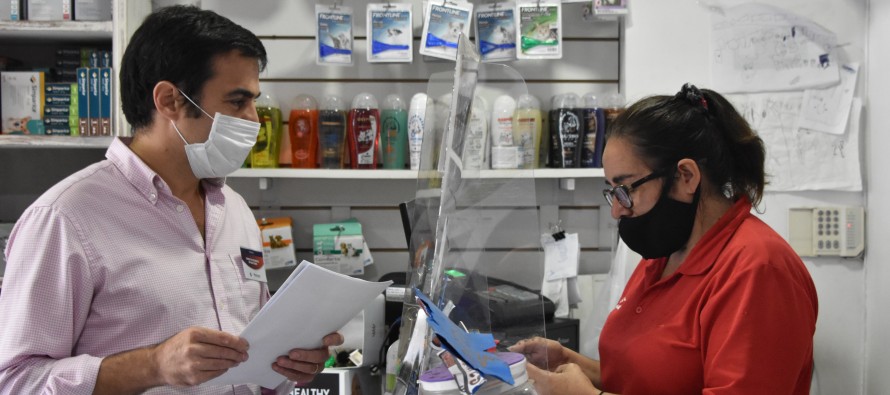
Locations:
(249, 295)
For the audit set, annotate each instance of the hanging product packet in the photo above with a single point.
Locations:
(540, 30)
(333, 35)
(390, 38)
(496, 31)
(443, 23)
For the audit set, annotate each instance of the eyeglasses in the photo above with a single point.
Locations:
(622, 192)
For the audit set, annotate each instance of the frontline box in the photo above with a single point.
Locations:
(22, 102)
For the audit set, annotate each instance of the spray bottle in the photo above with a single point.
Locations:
(332, 130)
(303, 130)
(527, 130)
(394, 137)
(363, 136)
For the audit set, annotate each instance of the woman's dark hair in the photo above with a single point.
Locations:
(701, 125)
(178, 44)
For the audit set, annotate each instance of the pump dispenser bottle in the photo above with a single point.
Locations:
(394, 137)
(363, 136)
(303, 131)
(332, 131)
(527, 130)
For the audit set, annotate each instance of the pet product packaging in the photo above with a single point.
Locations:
(48, 10)
(610, 7)
(333, 35)
(11, 10)
(496, 31)
(339, 247)
(390, 38)
(92, 10)
(443, 23)
(278, 242)
(22, 102)
(540, 30)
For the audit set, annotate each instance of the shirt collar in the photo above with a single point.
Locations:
(709, 247)
(143, 178)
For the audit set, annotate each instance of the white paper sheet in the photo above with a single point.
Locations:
(761, 48)
(828, 110)
(801, 159)
(311, 303)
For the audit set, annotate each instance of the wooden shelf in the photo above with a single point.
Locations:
(26, 141)
(381, 174)
(56, 30)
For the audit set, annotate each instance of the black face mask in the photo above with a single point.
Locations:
(661, 231)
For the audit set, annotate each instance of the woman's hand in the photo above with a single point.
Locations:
(565, 379)
(543, 353)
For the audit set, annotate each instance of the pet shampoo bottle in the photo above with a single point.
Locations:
(363, 136)
(475, 150)
(394, 137)
(303, 131)
(527, 130)
(565, 131)
(264, 153)
(332, 130)
(504, 155)
(416, 124)
(593, 134)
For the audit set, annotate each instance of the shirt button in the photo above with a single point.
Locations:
(179, 208)
(639, 309)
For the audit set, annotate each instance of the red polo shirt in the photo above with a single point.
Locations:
(737, 317)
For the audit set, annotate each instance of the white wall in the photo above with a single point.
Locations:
(877, 354)
(666, 44)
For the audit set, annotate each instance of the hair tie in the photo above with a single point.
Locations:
(693, 96)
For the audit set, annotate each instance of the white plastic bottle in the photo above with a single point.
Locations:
(527, 130)
(416, 123)
(475, 150)
(392, 368)
(504, 155)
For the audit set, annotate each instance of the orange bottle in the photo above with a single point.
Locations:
(303, 129)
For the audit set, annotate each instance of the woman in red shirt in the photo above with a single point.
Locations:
(720, 303)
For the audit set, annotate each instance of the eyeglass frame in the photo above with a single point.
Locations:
(609, 193)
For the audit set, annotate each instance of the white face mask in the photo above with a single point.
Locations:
(229, 142)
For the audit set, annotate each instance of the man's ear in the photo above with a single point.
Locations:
(168, 100)
(689, 176)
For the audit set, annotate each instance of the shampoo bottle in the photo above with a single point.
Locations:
(363, 135)
(303, 131)
(504, 155)
(593, 133)
(416, 125)
(475, 150)
(565, 131)
(394, 137)
(332, 131)
(264, 153)
(527, 130)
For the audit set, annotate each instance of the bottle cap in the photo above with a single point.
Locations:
(568, 100)
(527, 101)
(333, 102)
(266, 101)
(364, 100)
(393, 102)
(590, 100)
(305, 102)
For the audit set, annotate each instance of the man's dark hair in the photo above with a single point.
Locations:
(178, 44)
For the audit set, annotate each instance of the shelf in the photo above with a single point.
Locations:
(410, 174)
(56, 30)
(25, 141)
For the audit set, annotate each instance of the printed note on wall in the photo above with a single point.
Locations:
(827, 110)
(761, 48)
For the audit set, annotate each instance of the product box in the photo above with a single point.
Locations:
(21, 95)
(105, 79)
(92, 10)
(339, 247)
(11, 10)
(58, 89)
(83, 102)
(278, 242)
(48, 10)
(94, 100)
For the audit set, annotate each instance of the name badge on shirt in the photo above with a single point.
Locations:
(252, 261)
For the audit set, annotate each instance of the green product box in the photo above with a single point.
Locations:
(339, 247)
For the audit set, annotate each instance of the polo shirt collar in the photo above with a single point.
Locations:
(709, 247)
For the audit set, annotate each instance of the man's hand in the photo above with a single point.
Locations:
(301, 366)
(196, 355)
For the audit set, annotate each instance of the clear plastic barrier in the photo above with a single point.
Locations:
(475, 234)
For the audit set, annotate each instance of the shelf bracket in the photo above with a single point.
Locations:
(567, 184)
(265, 183)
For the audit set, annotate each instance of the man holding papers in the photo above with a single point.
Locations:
(127, 277)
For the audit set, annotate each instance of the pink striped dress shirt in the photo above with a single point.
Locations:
(108, 260)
